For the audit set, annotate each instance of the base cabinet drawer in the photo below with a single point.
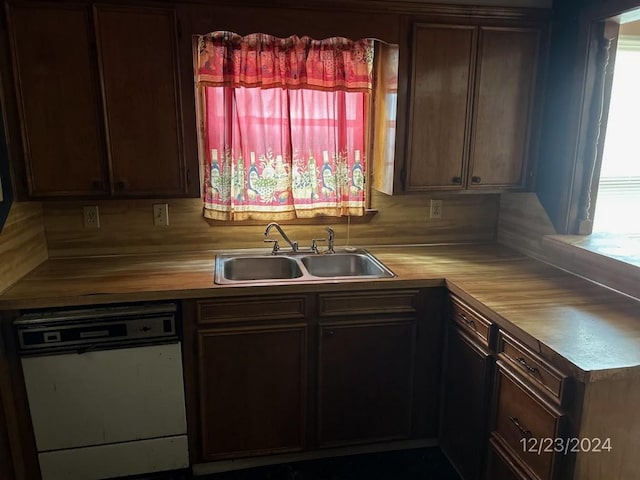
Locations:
(525, 421)
(501, 465)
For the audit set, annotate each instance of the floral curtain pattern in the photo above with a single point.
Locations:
(259, 60)
(281, 153)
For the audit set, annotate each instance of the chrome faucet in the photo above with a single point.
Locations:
(276, 245)
(330, 241)
(330, 248)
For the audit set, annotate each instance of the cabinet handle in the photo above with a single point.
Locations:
(456, 180)
(329, 333)
(468, 322)
(523, 431)
(475, 179)
(523, 362)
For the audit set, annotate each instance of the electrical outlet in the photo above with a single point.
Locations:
(91, 217)
(436, 209)
(160, 214)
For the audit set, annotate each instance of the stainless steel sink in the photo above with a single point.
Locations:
(246, 268)
(260, 268)
(345, 265)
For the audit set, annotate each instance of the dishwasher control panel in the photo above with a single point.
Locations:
(91, 328)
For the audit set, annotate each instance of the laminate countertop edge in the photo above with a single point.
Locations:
(564, 318)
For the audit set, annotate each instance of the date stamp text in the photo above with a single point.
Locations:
(565, 446)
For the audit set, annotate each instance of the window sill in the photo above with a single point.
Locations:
(366, 218)
(611, 260)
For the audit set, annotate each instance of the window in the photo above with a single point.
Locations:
(619, 184)
(286, 125)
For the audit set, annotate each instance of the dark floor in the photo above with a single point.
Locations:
(418, 464)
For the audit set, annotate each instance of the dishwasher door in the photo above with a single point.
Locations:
(120, 411)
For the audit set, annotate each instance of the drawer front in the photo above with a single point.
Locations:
(251, 309)
(363, 303)
(471, 321)
(501, 465)
(527, 424)
(526, 362)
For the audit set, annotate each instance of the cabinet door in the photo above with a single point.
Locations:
(365, 381)
(443, 58)
(137, 55)
(466, 386)
(505, 84)
(251, 388)
(58, 99)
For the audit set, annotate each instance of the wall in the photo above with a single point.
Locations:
(127, 226)
(22, 242)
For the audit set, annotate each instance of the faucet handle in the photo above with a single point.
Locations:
(314, 244)
(276, 245)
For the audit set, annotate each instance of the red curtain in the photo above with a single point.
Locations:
(259, 60)
(281, 153)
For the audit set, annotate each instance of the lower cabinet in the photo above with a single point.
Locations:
(467, 372)
(252, 388)
(464, 411)
(365, 382)
(275, 374)
(246, 376)
(500, 466)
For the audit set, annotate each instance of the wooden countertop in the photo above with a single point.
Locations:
(592, 332)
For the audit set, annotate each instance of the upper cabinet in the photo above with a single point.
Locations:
(99, 101)
(137, 57)
(59, 100)
(472, 104)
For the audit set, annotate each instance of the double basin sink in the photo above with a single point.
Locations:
(242, 268)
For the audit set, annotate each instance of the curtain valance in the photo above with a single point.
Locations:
(264, 61)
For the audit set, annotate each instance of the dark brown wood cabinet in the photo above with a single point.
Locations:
(137, 55)
(365, 380)
(99, 101)
(529, 412)
(442, 72)
(503, 106)
(472, 106)
(501, 466)
(249, 379)
(465, 403)
(252, 390)
(59, 100)
(285, 373)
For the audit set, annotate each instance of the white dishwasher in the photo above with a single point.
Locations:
(105, 390)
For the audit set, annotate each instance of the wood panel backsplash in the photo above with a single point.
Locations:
(127, 226)
(22, 243)
(523, 222)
